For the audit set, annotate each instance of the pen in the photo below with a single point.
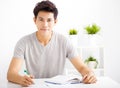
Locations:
(62, 83)
(26, 72)
(53, 83)
(76, 82)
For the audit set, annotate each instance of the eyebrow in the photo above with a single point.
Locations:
(40, 17)
(43, 18)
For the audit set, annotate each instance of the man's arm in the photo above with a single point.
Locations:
(87, 73)
(13, 73)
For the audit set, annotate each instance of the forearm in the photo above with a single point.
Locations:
(85, 70)
(87, 74)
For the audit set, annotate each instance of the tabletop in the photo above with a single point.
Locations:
(103, 82)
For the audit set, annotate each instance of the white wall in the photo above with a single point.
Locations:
(16, 20)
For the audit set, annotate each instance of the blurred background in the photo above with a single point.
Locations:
(16, 21)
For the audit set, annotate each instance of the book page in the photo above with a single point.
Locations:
(62, 79)
(38, 83)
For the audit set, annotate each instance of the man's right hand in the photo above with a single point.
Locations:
(26, 80)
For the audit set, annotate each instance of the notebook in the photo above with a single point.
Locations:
(63, 79)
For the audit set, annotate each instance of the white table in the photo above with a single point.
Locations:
(103, 82)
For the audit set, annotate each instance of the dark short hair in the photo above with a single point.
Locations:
(45, 6)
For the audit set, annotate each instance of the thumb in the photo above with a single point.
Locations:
(31, 76)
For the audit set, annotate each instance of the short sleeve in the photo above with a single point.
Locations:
(19, 49)
(71, 50)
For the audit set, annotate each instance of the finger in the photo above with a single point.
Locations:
(31, 76)
(83, 79)
(92, 79)
(25, 83)
(86, 79)
(29, 80)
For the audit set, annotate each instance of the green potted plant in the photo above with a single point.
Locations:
(91, 62)
(73, 31)
(92, 33)
(92, 29)
(73, 36)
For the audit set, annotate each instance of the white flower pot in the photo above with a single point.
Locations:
(74, 40)
(95, 40)
(92, 64)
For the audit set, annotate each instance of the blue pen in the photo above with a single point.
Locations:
(53, 83)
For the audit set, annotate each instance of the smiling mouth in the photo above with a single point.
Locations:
(43, 29)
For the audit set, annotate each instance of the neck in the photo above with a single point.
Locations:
(44, 40)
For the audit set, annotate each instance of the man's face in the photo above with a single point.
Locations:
(45, 22)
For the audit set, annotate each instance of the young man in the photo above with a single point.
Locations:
(45, 51)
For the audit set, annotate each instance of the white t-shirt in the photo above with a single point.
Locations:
(45, 61)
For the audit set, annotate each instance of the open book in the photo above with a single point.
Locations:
(63, 79)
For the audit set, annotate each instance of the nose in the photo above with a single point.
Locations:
(45, 23)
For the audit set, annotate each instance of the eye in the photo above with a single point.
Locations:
(40, 19)
(49, 20)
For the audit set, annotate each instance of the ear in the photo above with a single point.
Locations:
(56, 21)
